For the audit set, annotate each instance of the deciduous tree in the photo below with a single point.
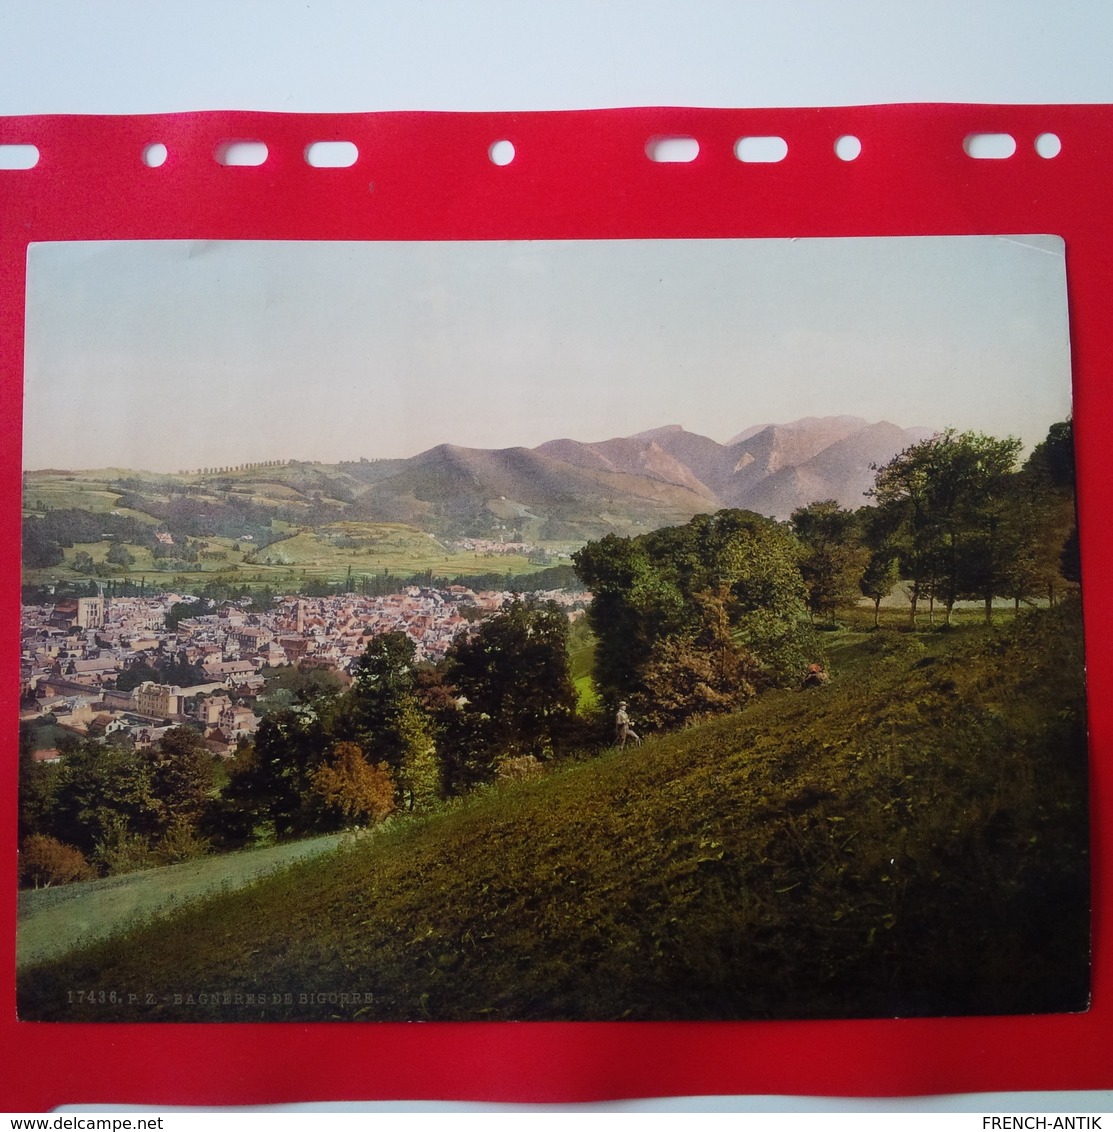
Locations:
(947, 497)
(647, 591)
(45, 860)
(102, 789)
(383, 680)
(271, 781)
(349, 786)
(832, 560)
(513, 674)
(881, 574)
(182, 776)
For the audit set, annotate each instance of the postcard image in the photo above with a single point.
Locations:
(550, 630)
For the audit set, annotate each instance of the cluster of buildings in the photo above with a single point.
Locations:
(487, 546)
(493, 546)
(73, 653)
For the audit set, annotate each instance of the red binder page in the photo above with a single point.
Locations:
(603, 585)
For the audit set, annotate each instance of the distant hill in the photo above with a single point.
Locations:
(832, 427)
(841, 470)
(562, 490)
(771, 469)
(583, 495)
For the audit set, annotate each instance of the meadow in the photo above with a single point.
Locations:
(324, 551)
(56, 920)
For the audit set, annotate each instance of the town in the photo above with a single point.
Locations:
(75, 651)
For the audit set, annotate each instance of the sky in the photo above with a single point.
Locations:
(173, 355)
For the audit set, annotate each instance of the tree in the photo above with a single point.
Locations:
(650, 590)
(38, 783)
(513, 673)
(1047, 490)
(103, 789)
(270, 782)
(289, 686)
(382, 685)
(947, 501)
(902, 489)
(182, 776)
(881, 574)
(420, 776)
(119, 555)
(348, 785)
(462, 761)
(179, 610)
(131, 678)
(176, 669)
(703, 673)
(634, 604)
(1053, 457)
(39, 548)
(44, 861)
(121, 849)
(1070, 558)
(832, 559)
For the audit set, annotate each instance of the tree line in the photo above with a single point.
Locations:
(696, 619)
(955, 519)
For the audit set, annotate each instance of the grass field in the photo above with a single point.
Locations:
(390, 547)
(323, 553)
(909, 840)
(405, 552)
(54, 921)
(58, 494)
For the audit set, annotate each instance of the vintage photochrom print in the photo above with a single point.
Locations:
(586, 630)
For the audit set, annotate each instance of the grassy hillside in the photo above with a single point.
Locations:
(316, 540)
(371, 548)
(53, 921)
(911, 839)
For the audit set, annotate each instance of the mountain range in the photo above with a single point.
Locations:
(561, 491)
(573, 489)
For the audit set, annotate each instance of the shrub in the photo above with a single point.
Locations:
(46, 860)
(121, 851)
(181, 842)
(518, 768)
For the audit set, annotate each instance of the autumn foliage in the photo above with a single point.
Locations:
(44, 861)
(348, 783)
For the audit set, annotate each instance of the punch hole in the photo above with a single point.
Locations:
(240, 151)
(1048, 145)
(763, 150)
(848, 147)
(993, 147)
(331, 154)
(19, 156)
(672, 149)
(154, 155)
(501, 152)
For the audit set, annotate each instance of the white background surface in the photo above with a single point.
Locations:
(135, 56)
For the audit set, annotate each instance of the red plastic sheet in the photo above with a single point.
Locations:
(576, 175)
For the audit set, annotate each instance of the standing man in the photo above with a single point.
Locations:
(622, 729)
